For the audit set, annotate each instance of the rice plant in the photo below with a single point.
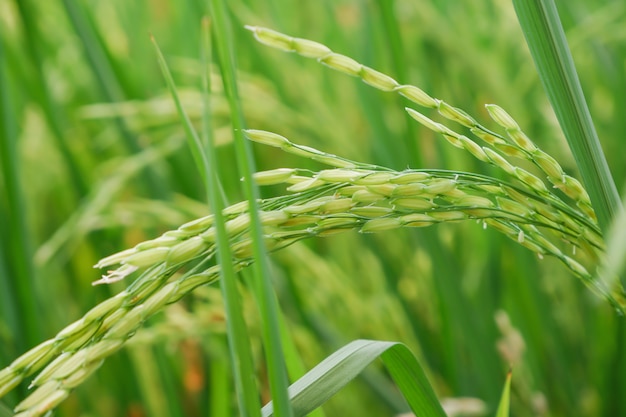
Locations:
(522, 193)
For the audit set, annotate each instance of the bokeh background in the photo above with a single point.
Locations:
(94, 160)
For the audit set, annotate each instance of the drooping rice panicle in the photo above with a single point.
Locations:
(517, 144)
(348, 196)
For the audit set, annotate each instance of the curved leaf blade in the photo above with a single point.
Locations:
(337, 370)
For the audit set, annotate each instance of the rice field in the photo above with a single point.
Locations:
(414, 186)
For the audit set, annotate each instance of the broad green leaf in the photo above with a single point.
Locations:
(337, 370)
(546, 40)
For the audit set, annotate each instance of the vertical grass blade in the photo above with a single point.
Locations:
(18, 280)
(241, 355)
(238, 339)
(546, 39)
(43, 95)
(263, 290)
(503, 407)
(109, 84)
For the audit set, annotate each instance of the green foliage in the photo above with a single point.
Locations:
(334, 372)
(94, 160)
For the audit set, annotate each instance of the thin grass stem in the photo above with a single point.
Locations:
(277, 371)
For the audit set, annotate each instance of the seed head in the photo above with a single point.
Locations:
(503, 227)
(310, 49)
(302, 150)
(309, 207)
(305, 185)
(453, 140)
(334, 161)
(27, 360)
(501, 117)
(116, 258)
(377, 79)
(475, 201)
(511, 150)
(375, 178)
(236, 208)
(440, 186)
(409, 177)
(147, 257)
(576, 267)
(549, 165)
(274, 176)
(514, 207)
(530, 244)
(487, 137)
(455, 114)
(414, 203)
(575, 190)
(339, 175)
(272, 38)
(546, 244)
(499, 161)
(339, 205)
(426, 122)
(382, 189)
(409, 189)
(338, 222)
(237, 225)
(530, 180)
(522, 140)
(448, 215)
(383, 223)
(273, 218)
(371, 211)
(417, 96)
(473, 148)
(199, 224)
(342, 63)
(418, 220)
(366, 197)
(266, 138)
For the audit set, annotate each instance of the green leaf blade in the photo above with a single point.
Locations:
(547, 43)
(337, 370)
(505, 399)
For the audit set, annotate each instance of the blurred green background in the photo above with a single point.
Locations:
(93, 160)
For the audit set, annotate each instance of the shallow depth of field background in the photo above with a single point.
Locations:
(96, 161)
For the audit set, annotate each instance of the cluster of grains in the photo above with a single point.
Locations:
(77, 351)
(348, 196)
(515, 144)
